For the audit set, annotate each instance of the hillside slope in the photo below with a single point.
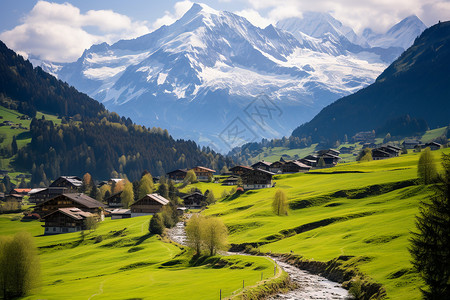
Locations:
(87, 138)
(417, 84)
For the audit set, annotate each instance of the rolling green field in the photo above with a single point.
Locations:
(130, 264)
(354, 209)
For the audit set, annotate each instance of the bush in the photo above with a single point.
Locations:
(156, 225)
(19, 266)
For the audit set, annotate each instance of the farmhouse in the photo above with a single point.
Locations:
(71, 200)
(231, 180)
(71, 183)
(40, 195)
(378, 154)
(114, 200)
(194, 200)
(257, 179)
(410, 144)
(64, 220)
(294, 167)
(275, 167)
(239, 170)
(120, 213)
(150, 204)
(177, 175)
(262, 165)
(203, 174)
(433, 146)
(23, 192)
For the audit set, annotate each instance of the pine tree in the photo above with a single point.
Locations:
(321, 163)
(426, 168)
(163, 190)
(14, 146)
(430, 243)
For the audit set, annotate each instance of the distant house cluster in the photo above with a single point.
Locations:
(63, 208)
(202, 173)
(384, 152)
(259, 175)
(417, 145)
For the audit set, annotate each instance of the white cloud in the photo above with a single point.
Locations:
(180, 8)
(255, 18)
(376, 14)
(60, 32)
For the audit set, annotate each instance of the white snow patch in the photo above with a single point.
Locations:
(103, 73)
(161, 78)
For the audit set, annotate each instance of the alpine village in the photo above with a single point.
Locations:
(211, 157)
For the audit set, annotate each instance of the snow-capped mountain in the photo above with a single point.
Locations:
(214, 77)
(401, 34)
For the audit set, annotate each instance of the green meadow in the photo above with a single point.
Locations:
(365, 210)
(120, 260)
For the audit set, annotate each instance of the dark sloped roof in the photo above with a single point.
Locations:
(178, 170)
(72, 212)
(158, 198)
(204, 168)
(262, 162)
(191, 194)
(240, 166)
(84, 200)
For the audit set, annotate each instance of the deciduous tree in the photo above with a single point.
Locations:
(156, 225)
(145, 185)
(190, 177)
(194, 234)
(19, 265)
(280, 203)
(215, 235)
(127, 196)
(426, 168)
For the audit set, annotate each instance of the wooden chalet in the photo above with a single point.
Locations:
(77, 200)
(433, 146)
(239, 170)
(64, 220)
(41, 195)
(276, 166)
(257, 179)
(114, 200)
(393, 151)
(378, 154)
(71, 183)
(119, 213)
(310, 160)
(177, 175)
(294, 167)
(150, 204)
(410, 144)
(231, 180)
(262, 165)
(203, 174)
(194, 200)
(14, 198)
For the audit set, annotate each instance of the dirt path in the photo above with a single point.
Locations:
(310, 286)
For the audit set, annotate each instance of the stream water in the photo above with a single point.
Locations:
(310, 286)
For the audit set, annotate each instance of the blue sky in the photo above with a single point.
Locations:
(59, 31)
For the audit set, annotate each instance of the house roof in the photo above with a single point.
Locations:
(433, 144)
(79, 198)
(204, 168)
(264, 171)
(72, 212)
(300, 164)
(178, 170)
(239, 166)
(262, 162)
(22, 190)
(37, 190)
(120, 211)
(156, 197)
(380, 151)
(74, 180)
(194, 193)
(394, 147)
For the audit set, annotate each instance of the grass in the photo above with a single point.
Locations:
(130, 264)
(372, 224)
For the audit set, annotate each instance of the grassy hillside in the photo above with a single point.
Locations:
(364, 210)
(129, 264)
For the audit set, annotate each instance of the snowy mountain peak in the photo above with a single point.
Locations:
(401, 34)
(197, 75)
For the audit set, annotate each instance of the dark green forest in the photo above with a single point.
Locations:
(90, 138)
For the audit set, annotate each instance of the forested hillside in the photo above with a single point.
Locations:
(89, 138)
